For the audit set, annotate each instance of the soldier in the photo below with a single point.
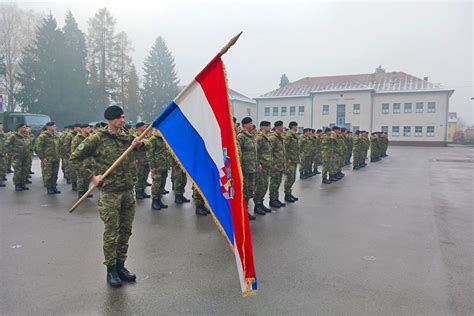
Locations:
(117, 196)
(179, 180)
(278, 164)
(201, 209)
(18, 145)
(292, 160)
(9, 155)
(317, 151)
(248, 159)
(47, 149)
(341, 153)
(264, 157)
(32, 140)
(159, 159)
(384, 137)
(68, 143)
(2, 157)
(65, 152)
(143, 168)
(306, 153)
(374, 147)
(85, 167)
(328, 154)
(357, 150)
(349, 144)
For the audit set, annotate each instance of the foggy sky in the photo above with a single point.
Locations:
(299, 38)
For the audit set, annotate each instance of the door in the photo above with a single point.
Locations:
(341, 115)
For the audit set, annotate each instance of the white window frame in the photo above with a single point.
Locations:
(419, 110)
(420, 132)
(385, 110)
(396, 133)
(325, 109)
(292, 113)
(283, 113)
(384, 130)
(300, 113)
(430, 134)
(357, 111)
(407, 109)
(433, 109)
(405, 134)
(265, 112)
(273, 111)
(396, 111)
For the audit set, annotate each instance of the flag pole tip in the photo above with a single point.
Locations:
(232, 41)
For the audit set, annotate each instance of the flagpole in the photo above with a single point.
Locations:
(183, 93)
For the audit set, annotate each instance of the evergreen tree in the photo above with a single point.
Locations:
(284, 81)
(160, 80)
(132, 105)
(122, 67)
(42, 73)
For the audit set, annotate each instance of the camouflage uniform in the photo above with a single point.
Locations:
(248, 159)
(264, 157)
(178, 178)
(159, 158)
(19, 145)
(143, 168)
(32, 140)
(47, 147)
(349, 144)
(3, 152)
(306, 154)
(374, 148)
(65, 150)
(117, 196)
(197, 198)
(84, 168)
(328, 154)
(317, 152)
(292, 156)
(357, 150)
(384, 139)
(278, 162)
(9, 154)
(72, 171)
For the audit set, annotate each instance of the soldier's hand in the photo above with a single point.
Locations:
(153, 171)
(45, 161)
(137, 143)
(97, 180)
(259, 168)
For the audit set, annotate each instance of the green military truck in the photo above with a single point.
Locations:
(12, 119)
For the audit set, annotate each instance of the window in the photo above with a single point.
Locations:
(292, 110)
(431, 107)
(407, 108)
(418, 131)
(356, 109)
(406, 131)
(326, 109)
(395, 130)
(385, 108)
(267, 111)
(301, 110)
(384, 129)
(283, 111)
(430, 131)
(419, 107)
(356, 128)
(396, 108)
(275, 111)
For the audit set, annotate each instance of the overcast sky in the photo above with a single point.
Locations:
(299, 38)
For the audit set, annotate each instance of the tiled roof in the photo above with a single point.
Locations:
(380, 82)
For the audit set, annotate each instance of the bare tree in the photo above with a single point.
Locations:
(17, 30)
(122, 67)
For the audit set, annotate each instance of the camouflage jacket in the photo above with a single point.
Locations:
(64, 149)
(306, 146)
(32, 140)
(141, 157)
(18, 146)
(317, 146)
(47, 146)
(328, 146)
(357, 143)
(291, 147)
(248, 151)
(106, 148)
(157, 153)
(341, 145)
(278, 151)
(264, 150)
(3, 149)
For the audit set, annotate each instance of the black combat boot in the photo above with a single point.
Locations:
(148, 184)
(31, 172)
(124, 274)
(18, 188)
(303, 175)
(139, 195)
(162, 205)
(28, 182)
(332, 178)
(180, 199)
(112, 276)
(164, 191)
(24, 187)
(2, 185)
(4, 178)
(316, 171)
(50, 191)
(266, 209)
(74, 185)
(326, 181)
(146, 196)
(201, 211)
(56, 191)
(288, 198)
(356, 168)
(68, 181)
(155, 204)
(281, 203)
(275, 204)
(294, 197)
(259, 210)
(251, 217)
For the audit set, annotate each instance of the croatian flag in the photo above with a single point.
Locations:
(198, 128)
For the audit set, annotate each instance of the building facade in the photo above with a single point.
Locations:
(411, 110)
(242, 106)
(452, 126)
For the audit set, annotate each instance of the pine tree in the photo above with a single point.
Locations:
(122, 67)
(284, 81)
(133, 106)
(160, 79)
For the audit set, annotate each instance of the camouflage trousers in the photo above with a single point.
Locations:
(329, 166)
(357, 158)
(348, 156)
(275, 182)
(290, 177)
(3, 166)
(158, 183)
(116, 210)
(83, 179)
(249, 185)
(9, 162)
(143, 169)
(179, 180)
(65, 167)
(20, 166)
(30, 162)
(306, 164)
(50, 173)
(262, 180)
(197, 197)
(316, 161)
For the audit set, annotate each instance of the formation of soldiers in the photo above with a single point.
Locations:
(269, 157)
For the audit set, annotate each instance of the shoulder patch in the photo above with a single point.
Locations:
(81, 146)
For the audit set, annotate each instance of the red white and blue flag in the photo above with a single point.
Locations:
(198, 128)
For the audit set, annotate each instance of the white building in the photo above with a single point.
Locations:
(242, 106)
(413, 111)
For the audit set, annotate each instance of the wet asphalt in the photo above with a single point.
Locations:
(395, 238)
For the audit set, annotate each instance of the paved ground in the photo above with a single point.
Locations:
(395, 238)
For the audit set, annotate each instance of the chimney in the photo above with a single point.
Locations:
(379, 70)
(425, 78)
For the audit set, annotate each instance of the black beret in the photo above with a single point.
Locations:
(343, 129)
(128, 126)
(50, 124)
(292, 124)
(113, 112)
(77, 125)
(85, 125)
(319, 131)
(246, 120)
(327, 130)
(278, 123)
(139, 124)
(20, 125)
(265, 123)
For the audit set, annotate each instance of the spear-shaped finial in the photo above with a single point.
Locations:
(229, 44)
